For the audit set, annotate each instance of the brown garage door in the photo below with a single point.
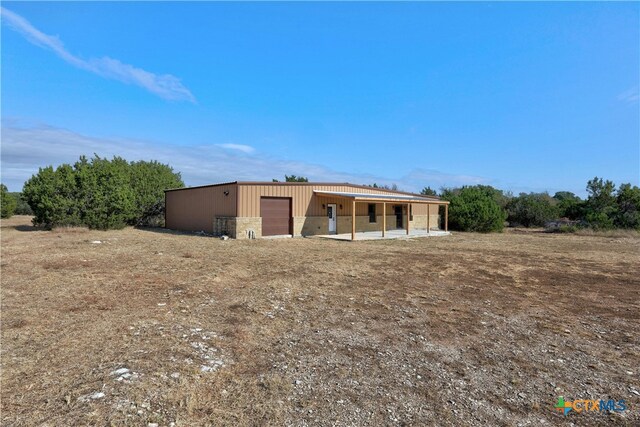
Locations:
(276, 215)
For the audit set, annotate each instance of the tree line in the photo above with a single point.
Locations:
(13, 203)
(103, 194)
(485, 209)
(97, 193)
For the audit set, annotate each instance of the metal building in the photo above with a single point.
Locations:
(260, 209)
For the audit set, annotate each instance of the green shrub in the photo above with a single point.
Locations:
(606, 208)
(569, 228)
(99, 193)
(569, 205)
(428, 191)
(532, 210)
(104, 193)
(628, 212)
(52, 195)
(564, 226)
(7, 202)
(22, 207)
(475, 208)
(601, 208)
(148, 182)
(601, 220)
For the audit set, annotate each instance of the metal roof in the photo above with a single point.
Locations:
(378, 197)
(285, 183)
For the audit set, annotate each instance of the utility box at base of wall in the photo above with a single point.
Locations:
(224, 226)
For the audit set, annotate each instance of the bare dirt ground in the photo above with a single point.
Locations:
(176, 329)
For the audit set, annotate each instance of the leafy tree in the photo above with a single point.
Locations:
(428, 191)
(628, 201)
(392, 187)
(475, 208)
(601, 193)
(105, 193)
(148, 182)
(293, 178)
(22, 207)
(534, 209)
(7, 202)
(601, 206)
(569, 205)
(499, 196)
(51, 194)
(99, 193)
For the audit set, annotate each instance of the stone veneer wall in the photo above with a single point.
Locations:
(246, 224)
(310, 225)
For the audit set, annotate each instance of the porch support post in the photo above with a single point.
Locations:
(353, 220)
(384, 218)
(428, 217)
(446, 217)
(408, 217)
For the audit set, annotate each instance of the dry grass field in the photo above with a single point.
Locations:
(176, 329)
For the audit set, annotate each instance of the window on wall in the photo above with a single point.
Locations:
(372, 212)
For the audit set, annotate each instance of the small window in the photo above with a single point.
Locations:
(372, 212)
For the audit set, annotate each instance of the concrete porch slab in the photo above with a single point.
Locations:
(389, 234)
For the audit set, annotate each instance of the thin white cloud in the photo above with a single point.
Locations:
(436, 179)
(238, 147)
(25, 148)
(165, 86)
(630, 96)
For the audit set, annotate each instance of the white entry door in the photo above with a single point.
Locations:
(332, 214)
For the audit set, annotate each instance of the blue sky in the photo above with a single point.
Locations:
(522, 96)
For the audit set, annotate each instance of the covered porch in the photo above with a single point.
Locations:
(387, 200)
(378, 235)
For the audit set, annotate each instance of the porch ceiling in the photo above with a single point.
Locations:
(379, 198)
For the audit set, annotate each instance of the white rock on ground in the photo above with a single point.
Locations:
(124, 377)
(213, 365)
(120, 371)
(93, 396)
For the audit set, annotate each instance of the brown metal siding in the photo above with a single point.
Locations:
(276, 215)
(193, 209)
(365, 188)
(305, 202)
